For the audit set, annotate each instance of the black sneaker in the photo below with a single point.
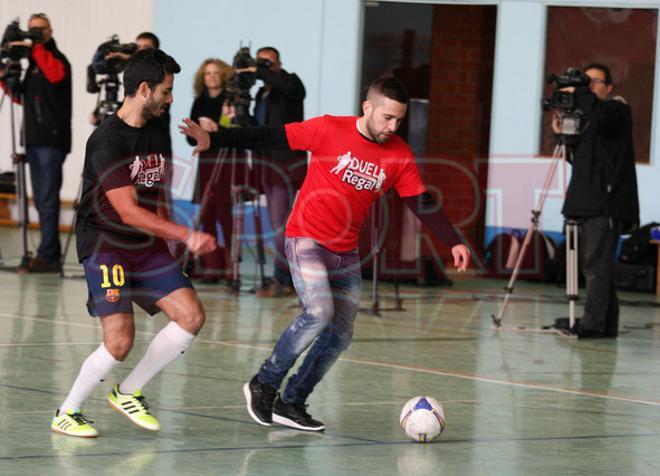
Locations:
(259, 398)
(295, 416)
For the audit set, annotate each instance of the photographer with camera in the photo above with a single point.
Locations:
(110, 58)
(46, 96)
(279, 101)
(143, 41)
(602, 194)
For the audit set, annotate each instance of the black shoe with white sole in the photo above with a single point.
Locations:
(259, 398)
(295, 416)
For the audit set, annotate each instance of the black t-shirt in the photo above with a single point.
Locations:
(118, 155)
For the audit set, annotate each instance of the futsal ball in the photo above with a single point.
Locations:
(422, 418)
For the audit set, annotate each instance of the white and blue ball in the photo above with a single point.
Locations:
(422, 418)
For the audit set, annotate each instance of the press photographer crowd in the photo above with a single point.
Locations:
(222, 99)
(592, 126)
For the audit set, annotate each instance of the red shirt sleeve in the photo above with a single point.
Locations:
(53, 69)
(409, 182)
(305, 135)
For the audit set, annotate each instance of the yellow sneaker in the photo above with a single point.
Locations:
(73, 424)
(134, 407)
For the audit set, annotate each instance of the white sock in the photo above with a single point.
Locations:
(165, 348)
(93, 371)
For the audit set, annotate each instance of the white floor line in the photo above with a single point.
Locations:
(444, 373)
(473, 378)
(95, 325)
(510, 383)
(45, 344)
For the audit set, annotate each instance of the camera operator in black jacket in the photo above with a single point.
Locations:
(602, 195)
(46, 95)
(279, 102)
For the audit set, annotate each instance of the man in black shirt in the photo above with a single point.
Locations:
(602, 195)
(120, 235)
(145, 40)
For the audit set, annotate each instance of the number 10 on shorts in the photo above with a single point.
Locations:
(118, 279)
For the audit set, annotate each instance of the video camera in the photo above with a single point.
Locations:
(561, 99)
(114, 65)
(11, 55)
(570, 117)
(110, 67)
(239, 84)
(14, 33)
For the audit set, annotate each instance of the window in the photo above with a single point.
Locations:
(624, 40)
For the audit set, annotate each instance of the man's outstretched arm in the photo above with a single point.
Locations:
(429, 211)
(265, 137)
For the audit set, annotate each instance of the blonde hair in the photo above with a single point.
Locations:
(225, 73)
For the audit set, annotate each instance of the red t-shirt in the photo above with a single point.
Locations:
(346, 174)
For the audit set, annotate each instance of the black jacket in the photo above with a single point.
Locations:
(603, 181)
(211, 107)
(206, 106)
(284, 104)
(47, 98)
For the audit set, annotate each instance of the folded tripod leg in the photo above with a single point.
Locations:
(571, 269)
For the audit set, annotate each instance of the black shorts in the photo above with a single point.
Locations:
(115, 282)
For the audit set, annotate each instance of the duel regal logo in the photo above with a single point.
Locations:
(147, 170)
(360, 174)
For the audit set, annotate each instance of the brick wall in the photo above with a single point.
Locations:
(459, 113)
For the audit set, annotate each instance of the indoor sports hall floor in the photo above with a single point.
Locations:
(516, 403)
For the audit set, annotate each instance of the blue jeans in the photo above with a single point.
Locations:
(46, 176)
(328, 285)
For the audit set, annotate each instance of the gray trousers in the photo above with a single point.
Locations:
(599, 240)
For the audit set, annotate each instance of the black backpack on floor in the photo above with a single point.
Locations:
(637, 249)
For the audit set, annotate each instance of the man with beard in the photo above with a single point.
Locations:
(355, 160)
(121, 237)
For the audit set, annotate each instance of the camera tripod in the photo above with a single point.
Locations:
(69, 236)
(108, 89)
(21, 191)
(239, 192)
(376, 247)
(559, 155)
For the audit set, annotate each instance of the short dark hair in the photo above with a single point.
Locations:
(147, 35)
(390, 87)
(41, 16)
(600, 67)
(271, 49)
(148, 65)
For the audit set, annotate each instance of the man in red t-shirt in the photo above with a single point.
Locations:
(354, 161)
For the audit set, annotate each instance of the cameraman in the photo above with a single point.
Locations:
(602, 195)
(143, 41)
(279, 102)
(46, 94)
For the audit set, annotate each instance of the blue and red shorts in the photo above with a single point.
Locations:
(116, 281)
